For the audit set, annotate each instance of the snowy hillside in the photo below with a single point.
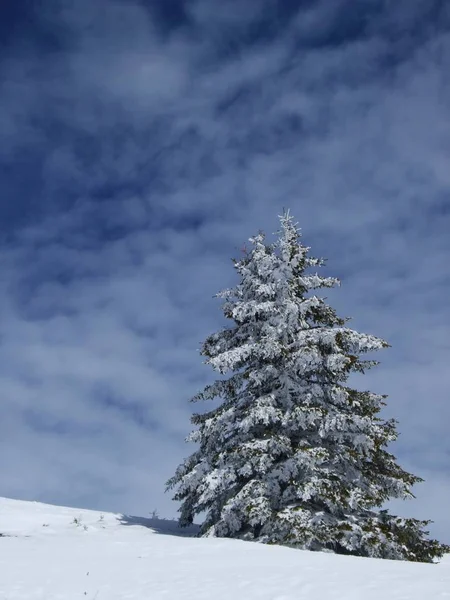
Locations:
(49, 553)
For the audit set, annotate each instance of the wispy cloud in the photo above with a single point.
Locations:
(140, 148)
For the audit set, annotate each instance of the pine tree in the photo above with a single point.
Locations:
(293, 455)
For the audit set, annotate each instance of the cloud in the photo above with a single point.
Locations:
(139, 154)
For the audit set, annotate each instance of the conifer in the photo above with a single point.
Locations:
(293, 455)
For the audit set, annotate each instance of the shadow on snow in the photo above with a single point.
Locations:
(162, 526)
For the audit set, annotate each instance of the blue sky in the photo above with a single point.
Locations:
(141, 144)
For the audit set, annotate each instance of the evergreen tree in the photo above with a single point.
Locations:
(293, 455)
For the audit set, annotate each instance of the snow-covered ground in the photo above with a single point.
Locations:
(49, 552)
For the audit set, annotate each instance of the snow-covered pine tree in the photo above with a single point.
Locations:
(293, 455)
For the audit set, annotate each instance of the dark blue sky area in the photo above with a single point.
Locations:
(39, 41)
